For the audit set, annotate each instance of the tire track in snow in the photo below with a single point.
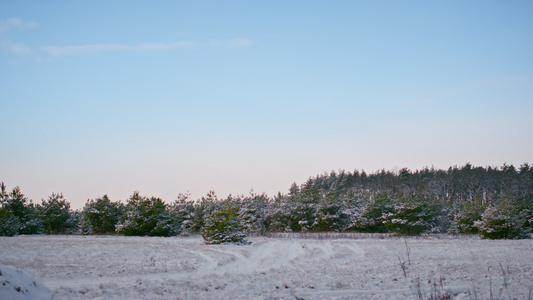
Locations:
(262, 256)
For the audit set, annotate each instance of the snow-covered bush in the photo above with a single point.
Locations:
(252, 213)
(411, 215)
(145, 216)
(466, 215)
(56, 215)
(330, 215)
(100, 216)
(9, 223)
(368, 219)
(222, 225)
(17, 214)
(277, 215)
(183, 212)
(502, 221)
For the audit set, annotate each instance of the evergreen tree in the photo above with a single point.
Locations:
(277, 214)
(502, 221)
(183, 212)
(372, 210)
(100, 216)
(467, 214)
(222, 225)
(331, 214)
(411, 214)
(17, 214)
(252, 213)
(56, 215)
(145, 216)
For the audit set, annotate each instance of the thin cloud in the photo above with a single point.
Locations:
(15, 23)
(144, 47)
(96, 48)
(15, 48)
(235, 43)
(5, 42)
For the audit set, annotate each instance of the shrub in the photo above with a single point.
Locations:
(9, 223)
(56, 215)
(411, 215)
(17, 214)
(466, 215)
(502, 221)
(183, 212)
(147, 216)
(370, 217)
(100, 216)
(222, 225)
(330, 215)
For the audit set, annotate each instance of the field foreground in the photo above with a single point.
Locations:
(117, 267)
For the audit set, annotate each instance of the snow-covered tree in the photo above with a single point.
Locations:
(222, 225)
(411, 214)
(466, 214)
(182, 211)
(101, 215)
(372, 209)
(145, 216)
(502, 221)
(9, 223)
(277, 214)
(18, 215)
(252, 212)
(56, 215)
(331, 214)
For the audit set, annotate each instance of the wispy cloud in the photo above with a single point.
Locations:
(5, 42)
(15, 48)
(15, 23)
(235, 43)
(144, 47)
(18, 48)
(96, 48)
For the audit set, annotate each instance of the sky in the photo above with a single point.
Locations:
(168, 97)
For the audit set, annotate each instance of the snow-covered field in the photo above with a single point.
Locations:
(368, 267)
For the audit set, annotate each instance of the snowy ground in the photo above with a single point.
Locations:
(117, 267)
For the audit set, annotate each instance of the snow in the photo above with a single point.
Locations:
(289, 266)
(16, 284)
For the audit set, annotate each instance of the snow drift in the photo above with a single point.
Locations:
(17, 284)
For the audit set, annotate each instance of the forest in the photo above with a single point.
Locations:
(494, 202)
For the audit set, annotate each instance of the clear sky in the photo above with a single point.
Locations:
(165, 97)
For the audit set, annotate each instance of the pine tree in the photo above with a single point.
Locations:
(100, 216)
(502, 221)
(56, 215)
(145, 216)
(18, 213)
(222, 225)
(412, 214)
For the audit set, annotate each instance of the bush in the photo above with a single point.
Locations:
(9, 223)
(502, 221)
(411, 215)
(466, 215)
(145, 216)
(183, 212)
(330, 215)
(369, 219)
(17, 214)
(56, 215)
(222, 225)
(100, 216)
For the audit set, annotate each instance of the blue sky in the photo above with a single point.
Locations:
(165, 97)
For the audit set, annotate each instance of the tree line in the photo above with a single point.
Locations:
(496, 202)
